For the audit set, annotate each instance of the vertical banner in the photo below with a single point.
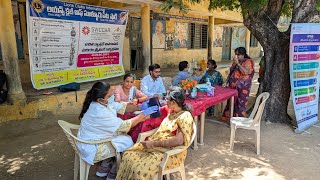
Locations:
(304, 73)
(71, 42)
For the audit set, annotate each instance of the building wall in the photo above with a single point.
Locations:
(160, 56)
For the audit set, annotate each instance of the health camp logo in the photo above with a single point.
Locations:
(85, 30)
(117, 34)
(37, 5)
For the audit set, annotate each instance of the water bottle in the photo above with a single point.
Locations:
(194, 92)
(194, 63)
(208, 83)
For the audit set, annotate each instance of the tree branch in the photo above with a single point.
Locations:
(303, 10)
(274, 9)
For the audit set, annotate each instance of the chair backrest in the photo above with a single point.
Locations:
(194, 132)
(67, 127)
(257, 111)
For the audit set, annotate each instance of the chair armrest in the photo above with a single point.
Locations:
(144, 135)
(96, 142)
(166, 156)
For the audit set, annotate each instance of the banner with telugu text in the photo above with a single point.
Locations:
(304, 73)
(70, 42)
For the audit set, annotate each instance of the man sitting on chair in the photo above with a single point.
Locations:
(152, 84)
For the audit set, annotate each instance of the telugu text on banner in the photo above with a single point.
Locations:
(304, 73)
(71, 42)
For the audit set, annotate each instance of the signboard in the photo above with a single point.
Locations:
(71, 42)
(304, 73)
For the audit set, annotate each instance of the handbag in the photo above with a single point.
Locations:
(3, 79)
(3, 95)
(70, 87)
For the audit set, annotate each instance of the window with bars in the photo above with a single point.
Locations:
(198, 36)
(253, 41)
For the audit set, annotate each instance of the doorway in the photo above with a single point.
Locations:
(226, 47)
(135, 44)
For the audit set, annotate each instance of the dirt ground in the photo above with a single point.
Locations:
(38, 149)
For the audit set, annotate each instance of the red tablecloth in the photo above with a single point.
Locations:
(146, 125)
(202, 102)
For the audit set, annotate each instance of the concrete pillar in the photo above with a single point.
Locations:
(211, 37)
(10, 53)
(146, 37)
(248, 41)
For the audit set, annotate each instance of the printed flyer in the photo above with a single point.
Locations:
(71, 42)
(304, 73)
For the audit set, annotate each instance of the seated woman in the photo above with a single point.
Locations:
(142, 160)
(214, 77)
(99, 121)
(128, 93)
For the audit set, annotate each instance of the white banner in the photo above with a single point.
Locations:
(304, 73)
(71, 42)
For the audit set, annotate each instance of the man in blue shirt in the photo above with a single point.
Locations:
(183, 74)
(152, 84)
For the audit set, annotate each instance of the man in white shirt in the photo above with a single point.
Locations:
(152, 84)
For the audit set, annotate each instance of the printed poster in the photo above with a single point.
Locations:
(70, 42)
(304, 73)
(181, 35)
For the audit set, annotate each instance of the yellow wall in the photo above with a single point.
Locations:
(160, 56)
(255, 52)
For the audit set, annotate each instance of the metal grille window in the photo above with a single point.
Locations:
(198, 36)
(253, 41)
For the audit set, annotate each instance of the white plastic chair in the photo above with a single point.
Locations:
(78, 162)
(251, 123)
(167, 154)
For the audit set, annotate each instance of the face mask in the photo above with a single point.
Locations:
(110, 99)
(189, 70)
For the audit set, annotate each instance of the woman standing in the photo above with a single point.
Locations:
(240, 78)
(142, 160)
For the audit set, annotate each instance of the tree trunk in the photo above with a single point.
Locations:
(276, 78)
(277, 81)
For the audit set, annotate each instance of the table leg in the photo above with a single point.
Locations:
(231, 106)
(202, 119)
(195, 142)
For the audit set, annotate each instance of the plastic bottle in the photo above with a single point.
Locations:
(208, 83)
(210, 89)
(203, 64)
(191, 66)
(195, 65)
(194, 92)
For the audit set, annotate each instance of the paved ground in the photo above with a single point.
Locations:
(37, 149)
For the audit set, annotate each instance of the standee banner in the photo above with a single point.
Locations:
(71, 42)
(304, 73)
